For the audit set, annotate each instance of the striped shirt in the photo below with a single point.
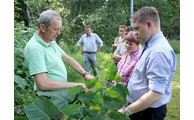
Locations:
(125, 66)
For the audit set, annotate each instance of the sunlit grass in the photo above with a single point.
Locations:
(173, 106)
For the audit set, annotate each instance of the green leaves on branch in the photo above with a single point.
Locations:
(75, 104)
(111, 73)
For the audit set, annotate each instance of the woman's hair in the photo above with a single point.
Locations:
(131, 38)
(146, 13)
(46, 17)
(122, 26)
(129, 28)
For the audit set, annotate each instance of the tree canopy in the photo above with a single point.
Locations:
(104, 16)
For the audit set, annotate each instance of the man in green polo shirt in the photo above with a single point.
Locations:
(45, 58)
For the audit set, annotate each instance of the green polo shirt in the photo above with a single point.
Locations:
(41, 57)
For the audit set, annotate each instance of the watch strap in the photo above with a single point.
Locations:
(85, 74)
(127, 112)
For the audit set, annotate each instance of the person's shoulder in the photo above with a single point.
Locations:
(84, 35)
(94, 34)
(33, 45)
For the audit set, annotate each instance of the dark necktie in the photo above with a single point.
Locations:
(144, 48)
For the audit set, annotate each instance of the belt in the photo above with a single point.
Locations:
(90, 52)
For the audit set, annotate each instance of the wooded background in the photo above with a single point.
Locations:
(104, 16)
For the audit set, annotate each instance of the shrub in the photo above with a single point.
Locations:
(23, 90)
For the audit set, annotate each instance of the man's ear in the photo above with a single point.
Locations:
(42, 28)
(149, 24)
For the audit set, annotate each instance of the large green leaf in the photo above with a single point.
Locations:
(87, 118)
(42, 109)
(118, 77)
(72, 109)
(111, 72)
(97, 86)
(60, 102)
(114, 103)
(86, 97)
(91, 83)
(97, 100)
(111, 93)
(75, 90)
(118, 116)
(59, 93)
(96, 116)
(84, 111)
(122, 90)
(20, 81)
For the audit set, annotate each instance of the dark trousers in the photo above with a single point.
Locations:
(150, 114)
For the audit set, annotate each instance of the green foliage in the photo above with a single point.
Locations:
(105, 17)
(169, 11)
(111, 73)
(42, 109)
(74, 104)
(23, 83)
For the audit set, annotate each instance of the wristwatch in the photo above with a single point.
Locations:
(85, 73)
(127, 112)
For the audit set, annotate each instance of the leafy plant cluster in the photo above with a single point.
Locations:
(23, 90)
(99, 104)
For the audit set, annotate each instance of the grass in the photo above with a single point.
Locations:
(174, 105)
(105, 59)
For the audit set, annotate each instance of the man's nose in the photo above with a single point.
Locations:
(58, 32)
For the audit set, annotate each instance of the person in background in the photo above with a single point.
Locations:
(129, 58)
(119, 39)
(45, 59)
(92, 45)
(150, 83)
(118, 53)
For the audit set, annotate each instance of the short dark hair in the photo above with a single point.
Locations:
(88, 26)
(129, 28)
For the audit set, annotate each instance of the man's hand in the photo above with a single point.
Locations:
(86, 90)
(122, 110)
(82, 51)
(96, 52)
(88, 76)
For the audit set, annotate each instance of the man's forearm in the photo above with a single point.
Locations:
(99, 48)
(46, 84)
(81, 48)
(145, 101)
(117, 57)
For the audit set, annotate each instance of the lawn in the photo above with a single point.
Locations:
(174, 105)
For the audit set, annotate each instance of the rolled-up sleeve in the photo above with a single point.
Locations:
(158, 72)
(100, 43)
(80, 41)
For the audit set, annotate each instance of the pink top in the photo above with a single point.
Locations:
(125, 66)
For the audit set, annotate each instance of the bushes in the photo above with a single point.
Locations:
(23, 83)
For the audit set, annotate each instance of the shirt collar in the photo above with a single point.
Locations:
(154, 38)
(39, 40)
(89, 35)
